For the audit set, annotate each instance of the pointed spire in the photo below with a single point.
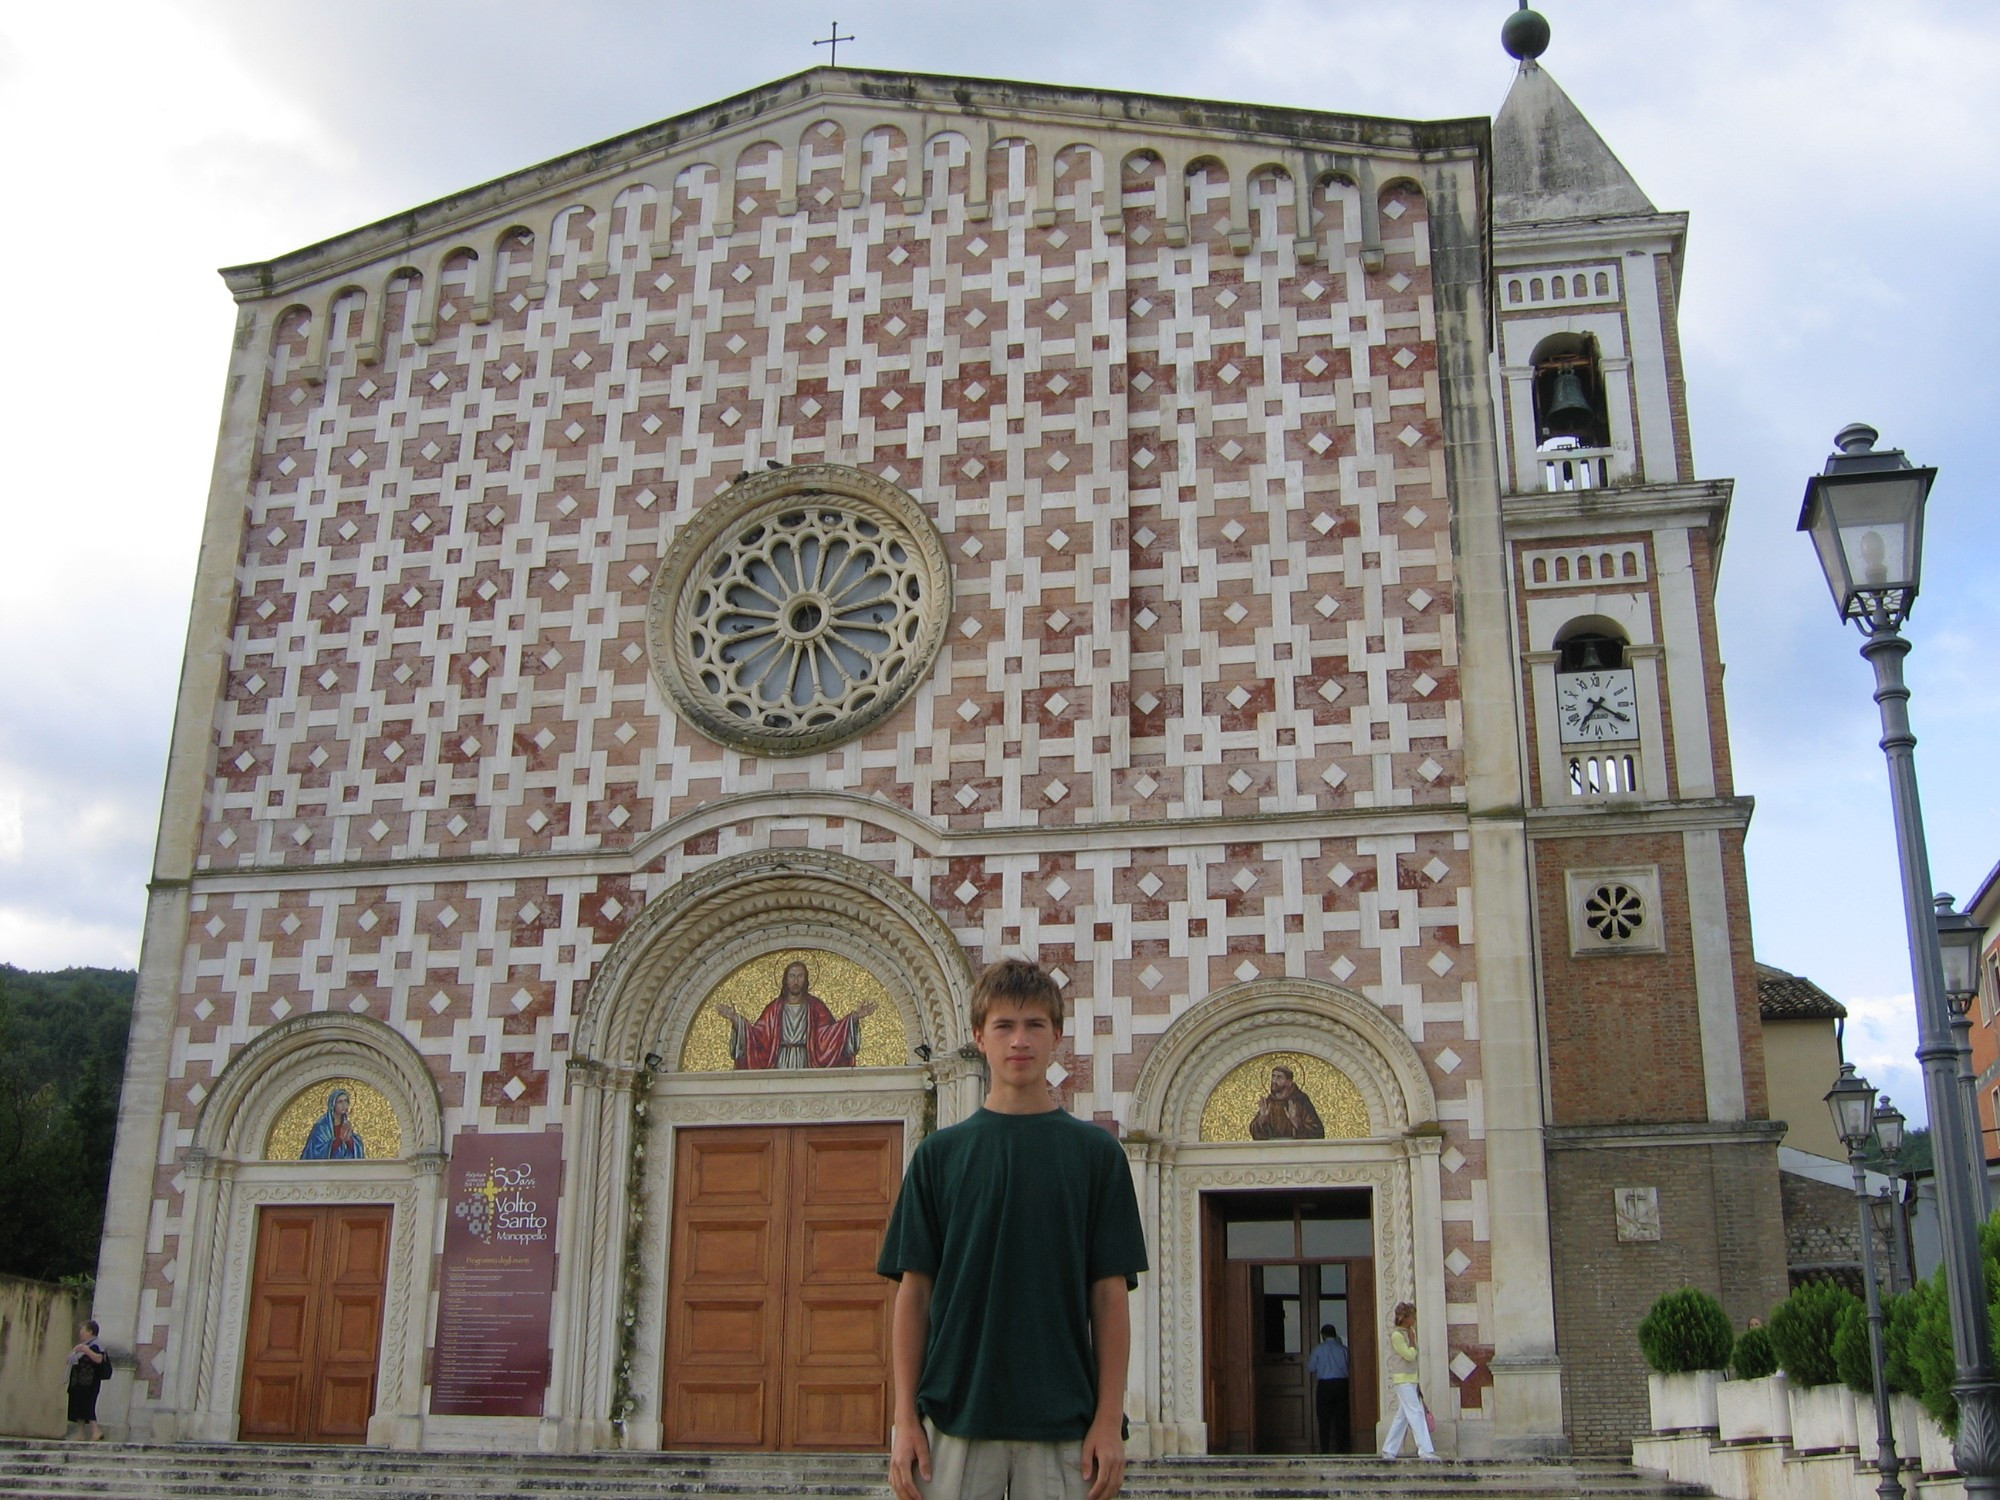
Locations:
(1549, 162)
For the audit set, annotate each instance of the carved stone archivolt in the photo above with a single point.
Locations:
(266, 1075)
(1276, 1015)
(799, 608)
(687, 940)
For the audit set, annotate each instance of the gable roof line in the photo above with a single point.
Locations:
(1162, 114)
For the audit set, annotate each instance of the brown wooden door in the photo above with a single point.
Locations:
(315, 1327)
(1267, 1286)
(777, 1325)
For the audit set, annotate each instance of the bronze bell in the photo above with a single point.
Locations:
(1570, 412)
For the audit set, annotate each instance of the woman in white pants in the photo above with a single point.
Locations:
(1402, 1363)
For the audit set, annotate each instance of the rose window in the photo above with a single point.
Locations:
(800, 607)
(1614, 912)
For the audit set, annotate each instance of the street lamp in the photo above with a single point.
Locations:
(1865, 515)
(1852, 1101)
(1889, 1136)
(1959, 939)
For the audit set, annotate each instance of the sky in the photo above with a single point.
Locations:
(1838, 160)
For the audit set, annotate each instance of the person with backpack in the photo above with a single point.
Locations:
(89, 1368)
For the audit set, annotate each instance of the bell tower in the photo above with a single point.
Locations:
(1662, 1164)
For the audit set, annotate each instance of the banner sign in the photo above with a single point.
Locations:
(497, 1284)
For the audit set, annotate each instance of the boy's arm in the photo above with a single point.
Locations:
(910, 1452)
(1111, 1333)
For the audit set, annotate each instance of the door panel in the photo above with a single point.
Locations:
(726, 1257)
(778, 1326)
(838, 1311)
(314, 1335)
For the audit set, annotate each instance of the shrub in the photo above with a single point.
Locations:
(1754, 1358)
(1851, 1356)
(1802, 1329)
(1898, 1326)
(1686, 1330)
(1931, 1351)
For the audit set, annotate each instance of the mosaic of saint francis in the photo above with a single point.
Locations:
(796, 1029)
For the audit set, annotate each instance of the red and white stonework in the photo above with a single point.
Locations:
(1242, 721)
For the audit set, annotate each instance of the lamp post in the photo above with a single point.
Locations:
(1865, 514)
(1889, 1136)
(1959, 940)
(1852, 1101)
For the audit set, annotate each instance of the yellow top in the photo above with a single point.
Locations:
(1402, 1358)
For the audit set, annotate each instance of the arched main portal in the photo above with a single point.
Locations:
(1186, 1175)
(707, 1140)
(259, 1170)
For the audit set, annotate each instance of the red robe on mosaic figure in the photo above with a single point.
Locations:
(830, 1041)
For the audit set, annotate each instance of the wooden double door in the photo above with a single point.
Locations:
(314, 1335)
(1276, 1268)
(777, 1325)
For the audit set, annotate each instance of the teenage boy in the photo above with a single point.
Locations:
(1015, 1241)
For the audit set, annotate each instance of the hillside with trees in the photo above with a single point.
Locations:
(62, 1059)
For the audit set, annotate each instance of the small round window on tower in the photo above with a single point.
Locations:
(1614, 912)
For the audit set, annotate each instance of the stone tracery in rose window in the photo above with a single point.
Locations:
(799, 608)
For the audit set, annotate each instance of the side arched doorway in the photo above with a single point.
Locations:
(313, 1191)
(759, 1055)
(1265, 1233)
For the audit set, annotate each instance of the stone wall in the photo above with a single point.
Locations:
(1823, 1233)
(37, 1327)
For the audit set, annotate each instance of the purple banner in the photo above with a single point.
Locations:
(497, 1285)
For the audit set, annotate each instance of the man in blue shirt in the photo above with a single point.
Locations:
(1328, 1364)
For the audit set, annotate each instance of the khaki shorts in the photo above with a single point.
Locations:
(977, 1469)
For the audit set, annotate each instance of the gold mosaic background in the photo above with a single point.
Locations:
(842, 983)
(373, 1117)
(1230, 1109)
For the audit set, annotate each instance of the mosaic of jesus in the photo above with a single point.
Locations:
(796, 1030)
(796, 1010)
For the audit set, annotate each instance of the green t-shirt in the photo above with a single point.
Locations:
(1014, 1217)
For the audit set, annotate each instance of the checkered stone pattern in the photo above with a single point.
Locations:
(1195, 503)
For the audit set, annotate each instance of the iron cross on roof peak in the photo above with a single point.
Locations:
(832, 44)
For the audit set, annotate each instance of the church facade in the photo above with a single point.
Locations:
(669, 616)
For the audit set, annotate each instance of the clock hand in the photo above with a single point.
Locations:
(1599, 706)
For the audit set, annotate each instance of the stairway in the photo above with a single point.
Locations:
(269, 1471)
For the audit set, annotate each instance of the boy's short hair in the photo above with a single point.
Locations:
(1021, 982)
(91, 1324)
(1326, 1330)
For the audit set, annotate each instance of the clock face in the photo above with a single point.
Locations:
(1597, 706)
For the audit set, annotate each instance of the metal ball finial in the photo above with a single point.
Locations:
(1525, 34)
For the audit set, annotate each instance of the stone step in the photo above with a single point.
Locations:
(263, 1471)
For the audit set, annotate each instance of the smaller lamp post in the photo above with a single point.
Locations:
(1959, 941)
(1852, 1101)
(1889, 1137)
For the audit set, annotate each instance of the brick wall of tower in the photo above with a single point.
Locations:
(1624, 1030)
(1719, 1209)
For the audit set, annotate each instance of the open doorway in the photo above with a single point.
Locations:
(1276, 1267)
